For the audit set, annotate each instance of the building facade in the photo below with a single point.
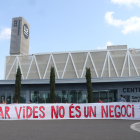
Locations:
(114, 71)
(73, 90)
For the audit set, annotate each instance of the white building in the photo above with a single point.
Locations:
(114, 71)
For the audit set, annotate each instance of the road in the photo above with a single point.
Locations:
(68, 130)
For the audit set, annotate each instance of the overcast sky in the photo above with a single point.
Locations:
(71, 25)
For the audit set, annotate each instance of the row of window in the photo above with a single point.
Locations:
(72, 96)
(105, 95)
(60, 96)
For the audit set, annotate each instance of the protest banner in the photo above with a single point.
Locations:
(113, 110)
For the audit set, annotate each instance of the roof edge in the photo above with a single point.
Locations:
(75, 80)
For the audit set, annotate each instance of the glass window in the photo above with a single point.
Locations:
(23, 97)
(65, 95)
(113, 95)
(8, 98)
(73, 96)
(95, 96)
(58, 96)
(82, 96)
(47, 97)
(127, 97)
(41, 96)
(34, 96)
(2, 97)
(104, 95)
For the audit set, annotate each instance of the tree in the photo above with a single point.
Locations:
(52, 85)
(17, 86)
(89, 85)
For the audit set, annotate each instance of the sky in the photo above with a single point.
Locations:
(71, 25)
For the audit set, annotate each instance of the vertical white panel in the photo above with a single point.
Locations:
(37, 67)
(98, 59)
(105, 68)
(73, 65)
(93, 64)
(79, 60)
(47, 67)
(9, 62)
(118, 58)
(20, 68)
(128, 63)
(89, 65)
(42, 61)
(84, 65)
(29, 67)
(60, 61)
(65, 66)
(112, 69)
(25, 62)
(33, 73)
(125, 71)
(108, 64)
(135, 57)
(113, 65)
(132, 69)
(51, 64)
(57, 75)
(70, 72)
(12, 72)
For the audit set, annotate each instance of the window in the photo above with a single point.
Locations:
(34, 96)
(113, 95)
(82, 96)
(8, 98)
(41, 96)
(23, 97)
(65, 95)
(47, 97)
(58, 96)
(95, 96)
(2, 97)
(105, 95)
(72, 96)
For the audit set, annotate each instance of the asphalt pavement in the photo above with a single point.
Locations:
(68, 130)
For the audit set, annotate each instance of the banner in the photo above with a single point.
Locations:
(70, 111)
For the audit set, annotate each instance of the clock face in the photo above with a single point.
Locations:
(25, 31)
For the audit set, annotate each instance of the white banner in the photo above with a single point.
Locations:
(70, 111)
